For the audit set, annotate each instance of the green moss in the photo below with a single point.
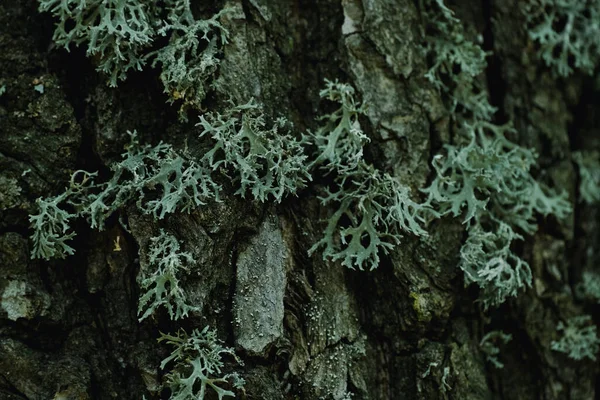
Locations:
(422, 314)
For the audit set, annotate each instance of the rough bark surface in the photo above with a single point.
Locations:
(305, 328)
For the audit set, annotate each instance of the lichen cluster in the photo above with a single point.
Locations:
(483, 177)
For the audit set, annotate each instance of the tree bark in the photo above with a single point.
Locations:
(305, 328)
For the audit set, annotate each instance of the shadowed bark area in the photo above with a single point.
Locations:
(304, 327)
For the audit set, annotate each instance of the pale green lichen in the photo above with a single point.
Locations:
(114, 31)
(456, 62)
(578, 338)
(119, 35)
(340, 139)
(373, 210)
(490, 343)
(589, 287)
(488, 184)
(160, 278)
(588, 163)
(198, 366)
(566, 33)
(486, 178)
(156, 178)
(51, 229)
(191, 57)
(263, 159)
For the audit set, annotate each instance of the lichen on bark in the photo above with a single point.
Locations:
(69, 328)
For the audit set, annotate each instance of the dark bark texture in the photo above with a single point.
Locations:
(305, 328)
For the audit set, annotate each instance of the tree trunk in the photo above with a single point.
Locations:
(305, 327)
